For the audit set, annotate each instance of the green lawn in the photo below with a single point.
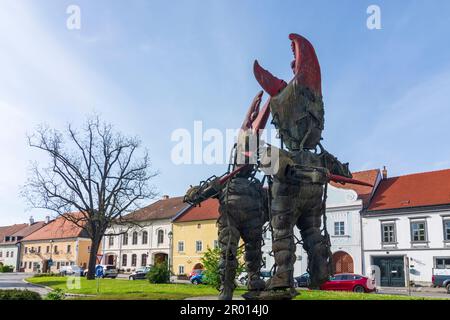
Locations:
(112, 289)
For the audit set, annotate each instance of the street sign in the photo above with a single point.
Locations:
(99, 271)
(50, 262)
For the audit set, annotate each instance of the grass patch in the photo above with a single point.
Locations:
(344, 295)
(128, 290)
(121, 289)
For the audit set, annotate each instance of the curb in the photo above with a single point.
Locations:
(37, 285)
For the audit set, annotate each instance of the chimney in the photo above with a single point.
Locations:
(384, 172)
(165, 197)
(31, 220)
(47, 219)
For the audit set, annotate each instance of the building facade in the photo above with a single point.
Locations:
(144, 240)
(406, 229)
(343, 210)
(57, 244)
(194, 230)
(10, 241)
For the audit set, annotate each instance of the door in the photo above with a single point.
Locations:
(392, 271)
(342, 262)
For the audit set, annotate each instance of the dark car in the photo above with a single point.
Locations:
(303, 281)
(139, 273)
(441, 278)
(349, 282)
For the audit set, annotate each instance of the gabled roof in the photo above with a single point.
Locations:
(413, 190)
(29, 229)
(209, 210)
(161, 209)
(364, 192)
(7, 231)
(60, 228)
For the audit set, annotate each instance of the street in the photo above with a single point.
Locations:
(15, 281)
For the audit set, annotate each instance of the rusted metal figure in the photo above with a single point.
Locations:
(304, 169)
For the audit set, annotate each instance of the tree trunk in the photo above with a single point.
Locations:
(93, 257)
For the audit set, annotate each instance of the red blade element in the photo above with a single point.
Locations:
(253, 111)
(271, 84)
(306, 65)
(261, 120)
(341, 179)
(227, 177)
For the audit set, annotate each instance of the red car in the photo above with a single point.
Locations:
(349, 282)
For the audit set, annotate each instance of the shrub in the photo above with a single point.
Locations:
(211, 260)
(57, 294)
(16, 294)
(159, 273)
(6, 268)
(49, 274)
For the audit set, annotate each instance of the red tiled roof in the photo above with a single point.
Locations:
(10, 230)
(60, 228)
(29, 229)
(364, 192)
(209, 210)
(161, 209)
(413, 190)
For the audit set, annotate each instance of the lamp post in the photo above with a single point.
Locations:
(170, 235)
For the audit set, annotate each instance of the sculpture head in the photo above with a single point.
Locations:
(299, 102)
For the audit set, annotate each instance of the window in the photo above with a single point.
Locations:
(69, 248)
(144, 260)
(125, 239)
(124, 260)
(198, 246)
(144, 237)
(26, 250)
(160, 236)
(134, 238)
(29, 265)
(418, 231)
(48, 249)
(55, 249)
(180, 246)
(111, 241)
(7, 254)
(133, 260)
(388, 233)
(339, 228)
(180, 269)
(1, 254)
(39, 249)
(447, 230)
(442, 263)
(216, 244)
(12, 254)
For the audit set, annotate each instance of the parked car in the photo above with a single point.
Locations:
(243, 277)
(198, 278)
(139, 273)
(303, 281)
(441, 278)
(349, 282)
(109, 271)
(71, 270)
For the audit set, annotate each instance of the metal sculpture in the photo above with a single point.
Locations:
(243, 209)
(299, 186)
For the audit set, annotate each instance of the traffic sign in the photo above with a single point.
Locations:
(99, 271)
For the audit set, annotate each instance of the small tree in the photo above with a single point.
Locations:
(211, 261)
(95, 172)
(159, 273)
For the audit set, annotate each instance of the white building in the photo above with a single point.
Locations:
(344, 205)
(146, 240)
(406, 228)
(10, 237)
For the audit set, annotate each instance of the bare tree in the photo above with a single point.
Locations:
(95, 172)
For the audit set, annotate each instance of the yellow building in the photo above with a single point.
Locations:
(194, 230)
(59, 243)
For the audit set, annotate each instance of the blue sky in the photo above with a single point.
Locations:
(150, 67)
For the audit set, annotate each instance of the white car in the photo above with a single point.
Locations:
(109, 271)
(71, 270)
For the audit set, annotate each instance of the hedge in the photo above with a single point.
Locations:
(16, 294)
